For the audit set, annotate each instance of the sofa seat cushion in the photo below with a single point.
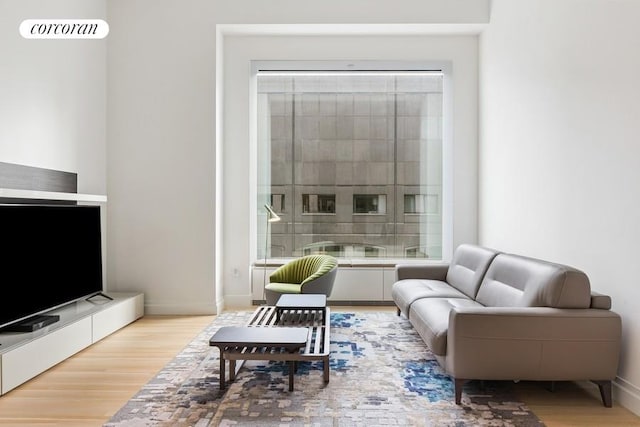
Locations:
(518, 281)
(430, 318)
(405, 292)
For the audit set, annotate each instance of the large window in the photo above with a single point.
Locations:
(352, 161)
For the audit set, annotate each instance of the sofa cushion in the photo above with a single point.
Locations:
(468, 266)
(430, 318)
(405, 292)
(517, 281)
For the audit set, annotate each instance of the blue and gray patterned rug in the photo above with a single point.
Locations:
(381, 374)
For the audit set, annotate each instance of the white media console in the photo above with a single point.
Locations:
(24, 355)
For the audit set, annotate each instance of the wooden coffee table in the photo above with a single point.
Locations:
(246, 342)
(267, 336)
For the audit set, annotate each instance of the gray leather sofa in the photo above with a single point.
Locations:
(489, 315)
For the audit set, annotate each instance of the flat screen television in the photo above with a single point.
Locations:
(50, 255)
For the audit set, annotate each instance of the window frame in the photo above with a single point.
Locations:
(445, 67)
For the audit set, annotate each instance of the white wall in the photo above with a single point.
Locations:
(345, 12)
(161, 121)
(164, 188)
(559, 147)
(459, 52)
(53, 94)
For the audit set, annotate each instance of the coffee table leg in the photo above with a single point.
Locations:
(325, 369)
(291, 372)
(222, 367)
(232, 369)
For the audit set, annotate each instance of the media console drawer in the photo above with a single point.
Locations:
(26, 361)
(26, 355)
(114, 317)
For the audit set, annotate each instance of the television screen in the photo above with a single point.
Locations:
(49, 256)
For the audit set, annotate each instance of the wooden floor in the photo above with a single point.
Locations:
(87, 389)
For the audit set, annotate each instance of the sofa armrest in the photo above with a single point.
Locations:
(421, 271)
(533, 343)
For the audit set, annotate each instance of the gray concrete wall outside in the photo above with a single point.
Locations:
(362, 136)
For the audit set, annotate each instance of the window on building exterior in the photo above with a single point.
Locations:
(319, 203)
(415, 252)
(277, 202)
(421, 203)
(369, 203)
(335, 144)
(344, 250)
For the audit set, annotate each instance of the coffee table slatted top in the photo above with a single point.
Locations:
(285, 337)
(318, 341)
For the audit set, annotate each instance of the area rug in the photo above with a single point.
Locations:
(381, 374)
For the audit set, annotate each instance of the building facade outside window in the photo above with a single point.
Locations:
(355, 161)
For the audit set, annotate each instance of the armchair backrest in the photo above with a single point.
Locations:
(304, 269)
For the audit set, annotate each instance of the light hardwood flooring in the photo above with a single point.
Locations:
(88, 388)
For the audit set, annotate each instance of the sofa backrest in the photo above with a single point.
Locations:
(517, 281)
(468, 267)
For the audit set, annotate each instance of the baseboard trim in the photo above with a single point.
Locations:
(179, 310)
(624, 393)
(237, 301)
(220, 305)
(627, 395)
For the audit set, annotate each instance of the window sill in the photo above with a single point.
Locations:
(354, 262)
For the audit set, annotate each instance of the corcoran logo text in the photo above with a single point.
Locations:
(64, 29)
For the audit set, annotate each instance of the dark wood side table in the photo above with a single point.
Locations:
(256, 343)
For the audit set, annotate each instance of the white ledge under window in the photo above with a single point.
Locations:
(50, 195)
(355, 262)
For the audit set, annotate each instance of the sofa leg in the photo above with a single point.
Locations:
(398, 311)
(457, 386)
(605, 392)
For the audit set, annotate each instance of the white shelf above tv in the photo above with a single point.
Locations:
(50, 195)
